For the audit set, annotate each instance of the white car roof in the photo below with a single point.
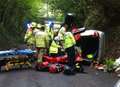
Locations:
(90, 32)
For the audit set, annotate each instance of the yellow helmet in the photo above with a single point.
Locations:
(33, 24)
(39, 26)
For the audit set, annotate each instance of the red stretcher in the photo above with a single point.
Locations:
(60, 59)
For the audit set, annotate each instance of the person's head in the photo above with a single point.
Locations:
(69, 20)
(56, 28)
(33, 25)
(39, 26)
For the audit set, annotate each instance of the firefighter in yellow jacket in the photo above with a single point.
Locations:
(29, 37)
(55, 44)
(50, 33)
(41, 41)
(69, 41)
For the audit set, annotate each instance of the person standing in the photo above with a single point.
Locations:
(50, 33)
(69, 44)
(65, 34)
(29, 37)
(41, 42)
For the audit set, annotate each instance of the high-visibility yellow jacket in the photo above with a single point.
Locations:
(61, 33)
(29, 37)
(54, 47)
(50, 35)
(40, 38)
(49, 32)
(67, 37)
(69, 40)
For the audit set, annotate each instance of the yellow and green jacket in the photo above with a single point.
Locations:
(67, 37)
(41, 39)
(54, 47)
(69, 40)
(29, 37)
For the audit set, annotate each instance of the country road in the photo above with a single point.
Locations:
(31, 78)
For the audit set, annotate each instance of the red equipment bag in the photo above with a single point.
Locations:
(42, 66)
(55, 68)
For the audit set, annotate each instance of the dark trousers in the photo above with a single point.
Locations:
(71, 56)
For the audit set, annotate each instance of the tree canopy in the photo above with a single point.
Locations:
(13, 13)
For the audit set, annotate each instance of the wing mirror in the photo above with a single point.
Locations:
(80, 30)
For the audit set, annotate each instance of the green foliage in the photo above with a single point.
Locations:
(109, 62)
(12, 15)
(90, 13)
(79, 7)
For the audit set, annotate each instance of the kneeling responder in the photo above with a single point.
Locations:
(55, 44)
(40, 42)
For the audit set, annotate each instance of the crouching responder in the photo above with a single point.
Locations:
(29, 37)
(41, 43)
(55, 44)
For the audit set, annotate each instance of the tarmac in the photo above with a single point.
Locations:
(32, 78)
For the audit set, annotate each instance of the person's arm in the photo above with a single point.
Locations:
(61, 33)
(46, 40)
(28, 34)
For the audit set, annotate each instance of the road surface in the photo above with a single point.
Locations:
(31, 78)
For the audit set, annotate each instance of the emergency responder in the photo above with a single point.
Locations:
(29, 37)
(69, 44)
(55, 46)
(41, 43)
(69, 41)
(50, 33)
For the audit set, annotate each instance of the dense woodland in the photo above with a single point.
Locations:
(102, 15)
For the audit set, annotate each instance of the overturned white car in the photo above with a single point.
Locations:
(92, 43)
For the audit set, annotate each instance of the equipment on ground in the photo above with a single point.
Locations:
(16, 59)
